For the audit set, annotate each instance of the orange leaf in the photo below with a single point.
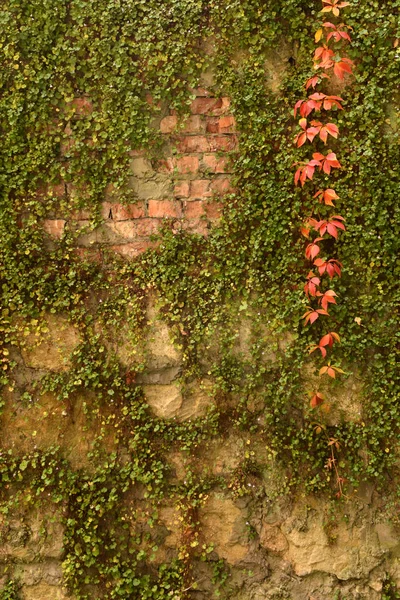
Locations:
(326, 196)
(341, 68)
(317, 400)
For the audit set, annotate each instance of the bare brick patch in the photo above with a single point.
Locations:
(186, 183)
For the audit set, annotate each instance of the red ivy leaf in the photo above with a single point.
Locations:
(317, 400)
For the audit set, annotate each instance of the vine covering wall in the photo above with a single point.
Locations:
(157, 435)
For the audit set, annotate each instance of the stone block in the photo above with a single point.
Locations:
(272, 538)
(43, 591)
(164, 400)
(141, 167)
(132, 249)
(356, 551)
(223, 524)
(157, 188)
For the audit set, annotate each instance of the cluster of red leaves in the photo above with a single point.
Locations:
(334, 6)
(326, 58)
(317, 102)
(317, 128)
(337, 34)
(326, 341)
(324, 163)
(323, 226)
(331, 267)
(316, 230)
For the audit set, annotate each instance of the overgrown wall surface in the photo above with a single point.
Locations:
(157, 435)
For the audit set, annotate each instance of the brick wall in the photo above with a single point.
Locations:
(187, 184)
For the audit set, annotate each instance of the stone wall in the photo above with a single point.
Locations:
(273, 547)
(301, 548)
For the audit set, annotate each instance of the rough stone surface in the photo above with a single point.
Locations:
(163, 362)
(164, 400)
(355, 552)
(32, 537)
(223, 524)
(52, 349)
(44, 591)
(169, 401)
(272, 539)
(49, 422)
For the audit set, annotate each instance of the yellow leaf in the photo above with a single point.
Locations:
(318, 35)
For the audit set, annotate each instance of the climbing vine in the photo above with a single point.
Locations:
(316, 229)
(81, 87)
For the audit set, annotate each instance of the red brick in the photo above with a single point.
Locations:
(54, 227)
(200, 188)
(194, 124)
(123, 212)
(213, 210)
(216, 164)
(145, 227)
(52, 190)
(164, 208)
(132, 249)
(68, 141)
(168, 124)
(135, 228)
(227, 124)
(222, 185)
(209, 106)
(89, 254)
(165, 165)
(223, 143)
(199, 226)
(212, 125)
(187, 164)
(193, 143)
(194, 209)
(182, 189)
